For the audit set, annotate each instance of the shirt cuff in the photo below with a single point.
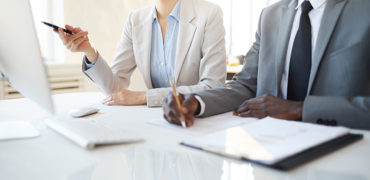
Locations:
(88, 64)
(202, 105)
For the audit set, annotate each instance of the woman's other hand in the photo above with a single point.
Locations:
(126, 97)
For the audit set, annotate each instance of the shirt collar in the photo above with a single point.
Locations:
(175, 13)
(315, 3)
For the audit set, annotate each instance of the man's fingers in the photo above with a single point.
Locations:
(176, 113)
(252, 104)
(166, 118)
(260, 99)
(242, 108)
(254, 113)
(174, 119)
(189, 122)
(256, 106)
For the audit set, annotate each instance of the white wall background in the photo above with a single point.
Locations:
(50, 11)
(104, 20)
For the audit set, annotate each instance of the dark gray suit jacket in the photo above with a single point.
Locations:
(339, 85)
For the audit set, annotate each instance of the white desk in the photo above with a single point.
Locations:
(51, 156)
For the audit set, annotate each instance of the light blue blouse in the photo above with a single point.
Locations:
(163, 54)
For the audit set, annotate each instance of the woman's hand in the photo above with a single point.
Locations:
(78, 42)
(126, 97)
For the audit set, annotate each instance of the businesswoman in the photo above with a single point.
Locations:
(179, 39)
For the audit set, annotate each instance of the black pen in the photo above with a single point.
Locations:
(56, 27)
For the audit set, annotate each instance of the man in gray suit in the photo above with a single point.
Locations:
(310, 62)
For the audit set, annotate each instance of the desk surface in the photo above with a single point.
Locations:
(51, 156)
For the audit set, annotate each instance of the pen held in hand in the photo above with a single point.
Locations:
(178, 104)
(57, 27)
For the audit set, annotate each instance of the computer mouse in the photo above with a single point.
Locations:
(82, 112)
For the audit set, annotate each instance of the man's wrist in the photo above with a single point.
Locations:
(298, 110)
(197, 111)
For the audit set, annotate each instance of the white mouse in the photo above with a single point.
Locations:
(82, 112)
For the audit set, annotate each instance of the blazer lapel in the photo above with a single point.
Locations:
(142, 35)
(329, 20)
(186, 34)
(285, 27)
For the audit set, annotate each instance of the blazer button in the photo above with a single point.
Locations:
(319, 121)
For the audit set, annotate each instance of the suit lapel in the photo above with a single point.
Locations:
(329, 20)
(186, 34)
(142, 34)
(285, 27)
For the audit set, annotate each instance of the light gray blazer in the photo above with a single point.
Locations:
(339, 85)
(200, 57)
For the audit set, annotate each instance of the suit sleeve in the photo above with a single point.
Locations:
(212, 69)
(114, 78)
(243, 86)
(352, 112)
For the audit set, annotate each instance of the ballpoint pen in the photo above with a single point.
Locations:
(174, 93)
(57, 27)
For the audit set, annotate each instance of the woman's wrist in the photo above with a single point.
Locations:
(142, 97)
(91, 55)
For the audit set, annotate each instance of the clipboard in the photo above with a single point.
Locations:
(296, 159)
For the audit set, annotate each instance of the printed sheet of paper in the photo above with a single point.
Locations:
(204, 126)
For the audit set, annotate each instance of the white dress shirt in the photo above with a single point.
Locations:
(315, 18)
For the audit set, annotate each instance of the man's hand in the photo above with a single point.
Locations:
(269, 105)
(173, 114)
(126, 97)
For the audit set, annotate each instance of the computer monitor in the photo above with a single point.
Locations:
(20, 57)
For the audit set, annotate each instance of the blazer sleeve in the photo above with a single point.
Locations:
(352, 112)
(212, 69)
(243, 86)
(114, 78)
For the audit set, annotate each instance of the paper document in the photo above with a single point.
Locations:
(268, 140)
(204, 126)
(17, 130)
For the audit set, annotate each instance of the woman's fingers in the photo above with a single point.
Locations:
(75, 36)
(77, 43)
(70, 44)
(107, 99)
(110, 103)
(62, 36)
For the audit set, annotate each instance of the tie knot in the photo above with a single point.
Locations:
(306, 7)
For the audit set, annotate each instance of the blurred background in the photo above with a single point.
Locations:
(104, 20)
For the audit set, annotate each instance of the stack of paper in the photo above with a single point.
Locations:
(268, 140)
